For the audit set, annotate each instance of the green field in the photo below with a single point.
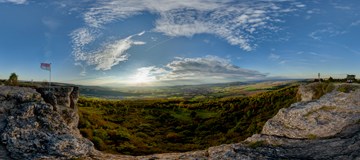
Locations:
(190, 92)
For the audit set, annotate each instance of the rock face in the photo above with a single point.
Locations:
(336, 114)
(33, 127)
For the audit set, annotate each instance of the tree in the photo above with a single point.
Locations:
(193, 114)
(13, 79)
(331, 79)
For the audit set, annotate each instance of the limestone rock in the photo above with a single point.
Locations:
(34, 129)
(336, 114)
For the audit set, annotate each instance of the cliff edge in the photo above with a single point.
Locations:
(38, 124)
(34, 128)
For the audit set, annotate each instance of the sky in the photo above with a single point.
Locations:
(178, 42)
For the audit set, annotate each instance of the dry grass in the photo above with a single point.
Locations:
(311, 136)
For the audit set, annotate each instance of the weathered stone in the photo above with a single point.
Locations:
(34, 129)
(336, 114)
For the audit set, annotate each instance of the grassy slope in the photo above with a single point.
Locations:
(140, 127)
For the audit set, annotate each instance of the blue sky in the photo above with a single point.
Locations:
(172, 42)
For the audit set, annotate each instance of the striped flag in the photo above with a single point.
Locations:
(45, 66)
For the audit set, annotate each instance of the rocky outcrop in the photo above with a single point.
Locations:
(336, 114)
(42, 125)
(34, 129)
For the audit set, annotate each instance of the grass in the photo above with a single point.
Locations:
(287, 127)
(322, 108)
(311, 136)
(256, 144)
(347, 88)
(358, 122)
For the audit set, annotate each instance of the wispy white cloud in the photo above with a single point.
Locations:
(112, 53)
(80, 38)
(106, 77)
(273, 56)
(193, 69)
(327, 32)
(340, 6)
(230, 20)
(323, 55)
(83, 72)
(107, 56)
(355, 23)
(283, 62)
(14, 1)
(50, 22)
(207, 67)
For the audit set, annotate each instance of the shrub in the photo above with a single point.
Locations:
(330, 88)
(101, 133)
(141, 134)
(84, 124)
(123, 134)
(99, 144)
(87, 133)
(193, 114)
(172, 136)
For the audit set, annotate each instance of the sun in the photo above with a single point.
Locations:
(142, 76)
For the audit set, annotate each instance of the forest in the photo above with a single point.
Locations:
(148, 126)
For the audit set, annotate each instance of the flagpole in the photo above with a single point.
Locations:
(50, 78)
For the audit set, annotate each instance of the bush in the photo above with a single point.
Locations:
(101, 133)
(141, 134)
(84, 124)
(193, 114)
(87, 133)
(99, 144)
(123, 134)
(172, 136)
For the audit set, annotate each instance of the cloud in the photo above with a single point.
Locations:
(208, 67)
(283, 62)
(112, 53)
(231, 20)
(14, 1)
(106, 77)
(83, 72)
(329, 32)
(273, 56)
(323, 55)
(340, 6)
(51, 23)
(355, 23)
(299, 52)
(107, 56)
(81, 37)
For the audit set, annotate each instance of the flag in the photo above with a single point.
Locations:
(45, 66)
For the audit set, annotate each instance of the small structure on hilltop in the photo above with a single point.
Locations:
(350, 78)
